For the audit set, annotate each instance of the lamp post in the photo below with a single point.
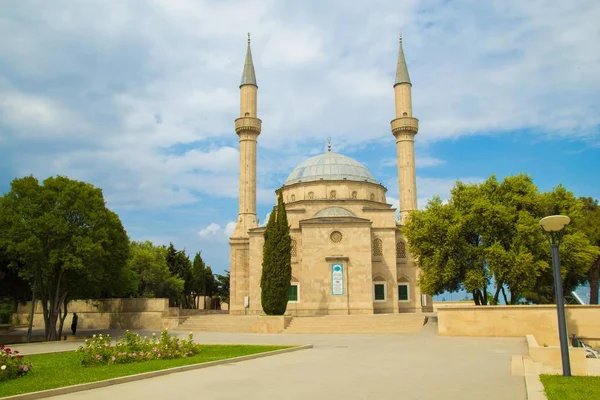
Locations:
(554, 226)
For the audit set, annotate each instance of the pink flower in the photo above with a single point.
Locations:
(113, 358)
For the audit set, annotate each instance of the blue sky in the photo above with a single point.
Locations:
(139, 98)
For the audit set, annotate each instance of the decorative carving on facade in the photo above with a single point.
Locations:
(311, 195)
(372, 197)
(354, 195)
(294, 248)
(332, 194)
(336, 236)
(377, 248)
(401, 249)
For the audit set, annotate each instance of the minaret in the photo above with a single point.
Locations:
(247, 127)
(404, 128)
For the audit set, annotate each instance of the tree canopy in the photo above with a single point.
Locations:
(62, 240)
(489, 232)
(277, 262)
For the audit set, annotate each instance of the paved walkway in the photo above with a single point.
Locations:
(407, 367)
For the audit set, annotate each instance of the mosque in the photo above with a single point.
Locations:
(348, 252)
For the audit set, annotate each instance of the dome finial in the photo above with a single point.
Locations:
(400, 37)
(329, 145)
(249, 38)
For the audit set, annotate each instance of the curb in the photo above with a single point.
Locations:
(533, 384)
(146, 375)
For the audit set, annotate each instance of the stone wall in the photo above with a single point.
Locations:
(139, 313)
(517, 321)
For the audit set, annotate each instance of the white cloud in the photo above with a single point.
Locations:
(210, 230)
(229, 228)
(143, 99)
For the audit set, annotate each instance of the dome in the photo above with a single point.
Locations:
(332, 212)
(330, 167)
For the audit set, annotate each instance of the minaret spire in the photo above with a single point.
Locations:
(404, 129)
(248, 76)
(247, 127)
(401, 68)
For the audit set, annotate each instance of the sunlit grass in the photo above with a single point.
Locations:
(64, 369)
(571, 388)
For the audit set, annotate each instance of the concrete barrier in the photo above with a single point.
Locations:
(551, 356)
(138, 313)
(518, 321)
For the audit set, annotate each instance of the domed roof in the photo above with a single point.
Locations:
(330, 212)
(330, 167)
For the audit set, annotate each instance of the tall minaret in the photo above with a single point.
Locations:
(404, 128)
(247, 127)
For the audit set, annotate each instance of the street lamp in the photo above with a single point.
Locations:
(554, 226)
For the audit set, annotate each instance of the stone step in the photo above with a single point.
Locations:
(378, 323)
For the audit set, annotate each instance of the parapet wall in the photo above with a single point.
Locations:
(540, 321)
(139, 313)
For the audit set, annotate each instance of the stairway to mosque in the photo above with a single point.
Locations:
(338, 324)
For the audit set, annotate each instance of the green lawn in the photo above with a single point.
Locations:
(64, 369)
(572, 388)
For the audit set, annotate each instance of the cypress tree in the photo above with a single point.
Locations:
(277, 262)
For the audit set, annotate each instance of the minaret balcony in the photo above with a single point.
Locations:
(405, 124)
(244, 124)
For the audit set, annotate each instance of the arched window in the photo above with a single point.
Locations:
(293, 197)
(294, 248)
(354, 195)
(377, 247)
(372, 196)
(401, 249)
(404, 114)
(311, 195)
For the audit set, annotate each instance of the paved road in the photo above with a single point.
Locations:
(407, 367)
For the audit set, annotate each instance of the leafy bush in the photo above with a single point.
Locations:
(11, 364)
(6, 311)
(133, 348)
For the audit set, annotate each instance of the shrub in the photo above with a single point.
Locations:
(133, 348)
(12, 364)
(6, 312)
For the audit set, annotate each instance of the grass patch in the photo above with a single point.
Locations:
(571, 388)
(64, 369)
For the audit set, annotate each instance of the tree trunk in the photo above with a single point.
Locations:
(63, 317)
(484, 299)
(504, 295)
(496, 295)
(476, 297)
(594, 276)
(31, 314)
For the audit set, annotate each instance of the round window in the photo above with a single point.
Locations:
(336, 236)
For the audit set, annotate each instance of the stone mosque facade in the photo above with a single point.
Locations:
(348, 252)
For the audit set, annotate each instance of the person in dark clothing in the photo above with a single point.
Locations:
(74, 323)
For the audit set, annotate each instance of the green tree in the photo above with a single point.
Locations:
(63, 241)
(149, 264)
(223, 287)
(590, 226)
(180, 266)
(13, 288)
(491, 231)
(198, 286)
(277, 262)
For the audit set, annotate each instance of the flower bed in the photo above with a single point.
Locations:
(133, 348)
(12, 364)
